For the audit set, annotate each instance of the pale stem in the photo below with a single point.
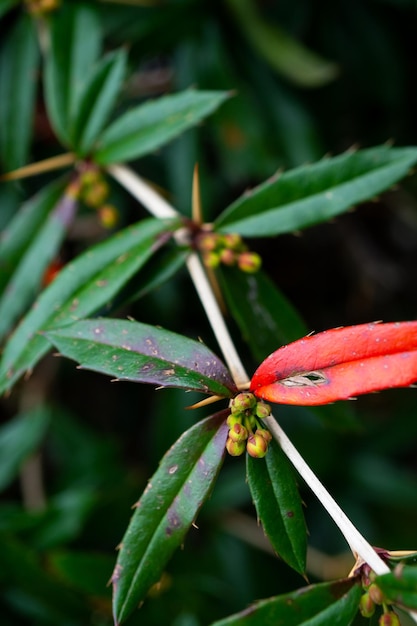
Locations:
(159, 207)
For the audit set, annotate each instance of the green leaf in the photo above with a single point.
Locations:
(282, 52)
(19, 59)
(400, 586)
(255, 302)
(141, 353)
(315, 193)
(23, 227)
(6, 5)
(82, 288)
(75, 41)
(166, 510)
(19, 438)
(334, 603)
(97, 100)
(278, 505)
(27, 278)
(153, 124)
(87, 571)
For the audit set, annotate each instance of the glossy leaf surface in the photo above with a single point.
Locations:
(333, 603)
(141, 353)
(339, 364)
(25, 282)
(19, 59)
(83, 287)
(315, 193)
(400, 586)
(166, 510)
(151, 125)
(278, 505)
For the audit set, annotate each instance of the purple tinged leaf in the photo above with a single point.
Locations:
(137, 352)
(166, 510)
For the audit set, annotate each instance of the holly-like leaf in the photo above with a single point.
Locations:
(400, 586)
(166, 510)
(339, 364)
(82, 288)
(149, 126)
(278, 505)
(334, 603)
(141, 353)
(312, 194)
(25, 282)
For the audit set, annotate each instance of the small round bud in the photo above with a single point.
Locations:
(207, 242)
(249, 262)
(234, 418)
(376, 594)
(262, 410)
(232, 241)
(265, 434)
(257, 446)
(109, 216)
(243, 402)
(94, 195)
(366, 605)
(211, 259)
(238, 433)
(235, 448)
(227, 256)
(389, 619)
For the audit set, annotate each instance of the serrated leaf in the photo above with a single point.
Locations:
(96, 101)
(23, 227)
(19, 59)
(334, 603)
(278, 505)
(153, 124)
(19, 438)
(141, 353)
(400, 586)
(256, 302)
(82, 288)
(166, 510)
(25, 282)
(312, 194)
(75, 41)
(338, 364)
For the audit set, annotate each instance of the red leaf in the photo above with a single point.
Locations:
(339, 364)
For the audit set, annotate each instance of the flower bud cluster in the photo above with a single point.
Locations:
(245, 430)
(373, 597)
(94, 193)
(227, 249)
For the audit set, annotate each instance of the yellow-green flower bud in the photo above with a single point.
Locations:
(244, 401)
(376, 594)
(262, 410)
(389, 619)
(235, 448)
(265, 434)
(238, 433)
(227, 256)
(249, 262)
(211, 259)
(234, 418)
(233, 241)
(257, 446)
(208, 242)
(366, 605)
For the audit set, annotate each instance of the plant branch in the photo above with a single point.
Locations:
(160, 208)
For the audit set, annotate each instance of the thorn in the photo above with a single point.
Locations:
(205, 402)
(197, 211)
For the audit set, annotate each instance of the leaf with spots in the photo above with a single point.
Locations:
(83, 287)
(339, 364)
(315, 193)
(334, 603)
(278, 505)
(141, 353)
(166, 510)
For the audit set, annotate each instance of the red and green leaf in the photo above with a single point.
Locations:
(339, 364)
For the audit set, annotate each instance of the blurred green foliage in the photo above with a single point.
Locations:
(309, 78)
